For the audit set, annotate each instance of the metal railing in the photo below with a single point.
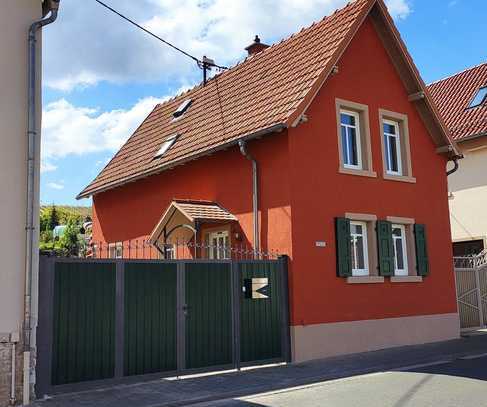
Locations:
(177, 250)
(471, 287)
(471, 262)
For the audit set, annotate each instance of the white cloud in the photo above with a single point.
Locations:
(88, 44)
(46, 166)
(399, 9)
(55, 185)
(69, 129)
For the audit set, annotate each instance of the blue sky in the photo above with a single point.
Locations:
(102, 76)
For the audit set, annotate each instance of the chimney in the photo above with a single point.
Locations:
(256, 46)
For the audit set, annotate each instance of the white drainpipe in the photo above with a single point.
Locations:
(29, 225)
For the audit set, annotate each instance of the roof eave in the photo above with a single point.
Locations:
(276, 128)
(293, 118)
(420, 86)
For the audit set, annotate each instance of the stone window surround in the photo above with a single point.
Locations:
(402, 121)
(373, 277)
(412, 276)
(365, 140)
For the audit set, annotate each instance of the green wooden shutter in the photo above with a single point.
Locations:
(344, 259)
(385, 247)
(422, 262)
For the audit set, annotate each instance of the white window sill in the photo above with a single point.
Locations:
(406, 279)
(365, 280)
(400, 178)
(362, 173)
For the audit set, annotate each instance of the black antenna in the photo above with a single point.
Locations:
(206, 64)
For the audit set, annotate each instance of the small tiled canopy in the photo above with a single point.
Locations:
(193, 212)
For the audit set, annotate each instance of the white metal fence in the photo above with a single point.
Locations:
(471, 285)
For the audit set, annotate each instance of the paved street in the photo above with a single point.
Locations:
(458, 377)
(458, 383)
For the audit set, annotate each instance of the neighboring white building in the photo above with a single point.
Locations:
(16, 17)
(462, 101)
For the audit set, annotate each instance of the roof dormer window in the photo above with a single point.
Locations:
(480, 97)
(166, 145)
(183, 107)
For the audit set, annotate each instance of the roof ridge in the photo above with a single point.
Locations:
(458, 73)
(314, 24)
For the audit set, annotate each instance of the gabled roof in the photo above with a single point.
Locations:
(203, 211)
(453, 95)
(267, 92)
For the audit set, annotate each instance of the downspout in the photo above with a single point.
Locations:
(455, 165)
(29, 226)
(255, 198)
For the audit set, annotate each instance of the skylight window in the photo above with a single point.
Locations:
(479, 98)
(182, 108)
(166, 145)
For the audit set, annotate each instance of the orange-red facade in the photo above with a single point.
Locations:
(302, 192)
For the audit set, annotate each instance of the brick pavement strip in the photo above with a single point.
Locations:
(165, 393)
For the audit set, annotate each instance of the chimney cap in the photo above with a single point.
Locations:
(256, 46)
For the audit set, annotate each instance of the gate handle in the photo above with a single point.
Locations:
(186, 308)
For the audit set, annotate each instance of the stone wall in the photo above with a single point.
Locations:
(6, 370)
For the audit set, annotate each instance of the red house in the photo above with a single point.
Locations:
(331, 138)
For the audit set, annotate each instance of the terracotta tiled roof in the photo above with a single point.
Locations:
(263, 92)
(453, 96)
(203, 211)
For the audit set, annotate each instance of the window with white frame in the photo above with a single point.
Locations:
(169, 251)
(392, 146)
(115, 250)
(350, 139)
(400, 250)
(359, 248)
(219, 248)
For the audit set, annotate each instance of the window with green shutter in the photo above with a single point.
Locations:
(385, 246)
(422, 262)
(344, 260)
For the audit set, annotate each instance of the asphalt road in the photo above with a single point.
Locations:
(461, 383)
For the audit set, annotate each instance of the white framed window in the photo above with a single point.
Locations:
(392, 146)
(169, 251)
(350, 139)
(219, 247)
(359, 248)
(400, 250)
(115, 250)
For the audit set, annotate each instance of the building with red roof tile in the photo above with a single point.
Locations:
(462, 102)
(326, 147)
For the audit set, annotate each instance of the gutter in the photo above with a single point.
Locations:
(255, 191)
(32, 135)
(276, 128)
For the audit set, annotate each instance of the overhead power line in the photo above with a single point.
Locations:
(203, 64)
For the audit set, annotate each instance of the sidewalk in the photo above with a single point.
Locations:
(163, 392)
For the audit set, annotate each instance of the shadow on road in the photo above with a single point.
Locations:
(467, 368)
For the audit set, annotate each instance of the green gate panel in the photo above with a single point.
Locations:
(150, 318)
(260, 315)
(209, 314)
(83, 322)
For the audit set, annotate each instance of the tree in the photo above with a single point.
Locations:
(53, 218)
(69, 241)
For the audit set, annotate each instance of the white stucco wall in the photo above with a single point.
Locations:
(15, 19)
(468, 188)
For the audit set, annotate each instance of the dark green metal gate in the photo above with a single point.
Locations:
(208, 314)
(150, 318)
(260, 311)
(108, 320)
(83, 322)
